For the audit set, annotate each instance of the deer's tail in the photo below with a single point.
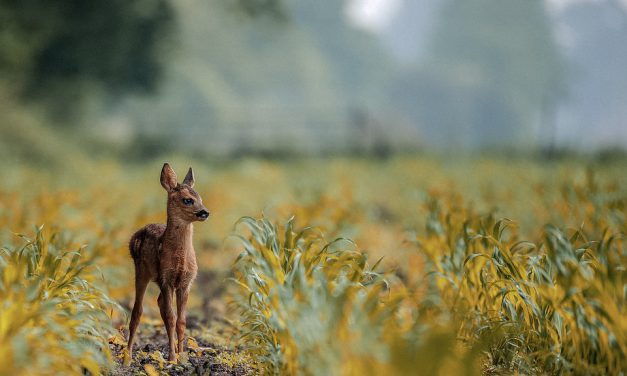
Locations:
(135, 244)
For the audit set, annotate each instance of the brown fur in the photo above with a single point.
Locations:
(164, 254)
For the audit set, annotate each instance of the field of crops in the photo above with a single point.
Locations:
(411, 265)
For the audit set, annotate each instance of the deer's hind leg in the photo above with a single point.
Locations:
(141, 282)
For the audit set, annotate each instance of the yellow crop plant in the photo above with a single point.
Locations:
(53, 318)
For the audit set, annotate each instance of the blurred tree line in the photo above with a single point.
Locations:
(234, 76)
(492, 69)
(53, 50)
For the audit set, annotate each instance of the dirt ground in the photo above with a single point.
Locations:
(210, 345)
(208, 351)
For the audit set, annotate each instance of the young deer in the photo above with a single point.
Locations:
(164, 254)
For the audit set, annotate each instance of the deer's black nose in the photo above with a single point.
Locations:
(202, 214)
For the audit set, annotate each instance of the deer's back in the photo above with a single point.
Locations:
(145, 246)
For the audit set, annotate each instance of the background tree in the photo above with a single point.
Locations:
(58, 50)
(492, 69)
(258, 83)
(67, 52)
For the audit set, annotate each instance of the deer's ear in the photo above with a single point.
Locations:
(168, 177)
(189, 178)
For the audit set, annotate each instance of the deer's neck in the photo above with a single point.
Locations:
(178, 235)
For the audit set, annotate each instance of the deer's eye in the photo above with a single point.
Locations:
(188, 201)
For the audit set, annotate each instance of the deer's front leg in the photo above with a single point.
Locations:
(167, 314)
(181, 303)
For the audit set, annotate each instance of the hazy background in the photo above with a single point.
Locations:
(229, 78)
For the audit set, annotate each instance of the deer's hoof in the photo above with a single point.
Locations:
(128, 357)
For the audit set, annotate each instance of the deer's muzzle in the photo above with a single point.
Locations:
(202, 214)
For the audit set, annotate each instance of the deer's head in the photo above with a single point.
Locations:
(184, 203)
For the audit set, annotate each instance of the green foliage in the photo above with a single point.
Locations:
(311, 307)
(558, 304)
(550, 305)
(54, 320)
(471, 297)
(27, 141)
(54, 50)
(232, 89)
(255, 8)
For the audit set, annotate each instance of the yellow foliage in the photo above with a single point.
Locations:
(151, 370)
(429, 219)
(53, 319)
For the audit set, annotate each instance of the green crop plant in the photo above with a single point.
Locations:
(484, 299)
(476, 295)
(313, 307)
(558, 304)
(53, 318)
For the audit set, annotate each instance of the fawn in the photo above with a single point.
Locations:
(164, 254)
